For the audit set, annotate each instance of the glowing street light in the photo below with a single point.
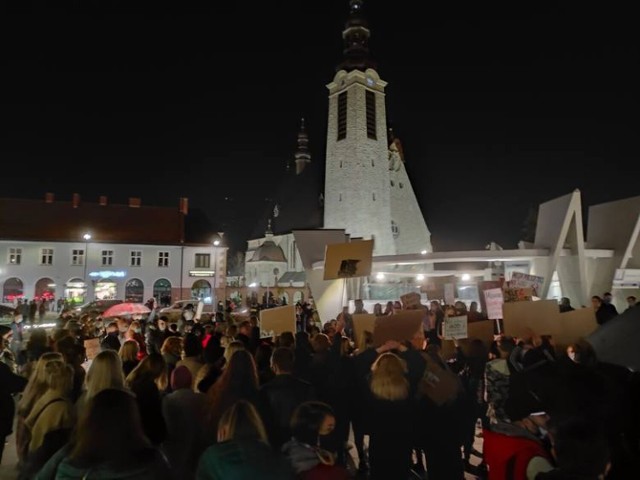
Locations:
(380, 276)
(466, 277)
(423, 252)
(87, 237)
(420, 277)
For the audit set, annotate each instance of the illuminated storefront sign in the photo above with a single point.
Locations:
(108, 274)
(201, 273)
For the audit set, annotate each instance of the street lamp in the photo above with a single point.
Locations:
(87, 237)
(216, 243)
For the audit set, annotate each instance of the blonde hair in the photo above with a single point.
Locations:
(388, 381)
(105, 372)
(59, 376)
(129, 351)
(232, 348)
(37, 385)
(241, 421)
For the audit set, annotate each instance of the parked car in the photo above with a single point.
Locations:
(174, 312)
(95, 308)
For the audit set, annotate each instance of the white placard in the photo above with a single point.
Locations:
(494, 300)
(455, 327)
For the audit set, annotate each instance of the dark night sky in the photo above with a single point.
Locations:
(499, 108)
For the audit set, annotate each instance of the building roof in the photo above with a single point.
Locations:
(293, 277)
(68, 221)
(268, 252)
(296, 203)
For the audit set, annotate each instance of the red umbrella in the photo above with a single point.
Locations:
(122, 309)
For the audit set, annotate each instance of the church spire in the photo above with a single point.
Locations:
(302, 155)
(356, 40)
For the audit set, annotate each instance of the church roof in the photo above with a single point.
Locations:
(295, 203)
(268, 252)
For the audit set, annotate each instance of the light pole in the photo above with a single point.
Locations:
(87, 237)
(216, 243)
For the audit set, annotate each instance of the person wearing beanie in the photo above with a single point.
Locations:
(183, 410)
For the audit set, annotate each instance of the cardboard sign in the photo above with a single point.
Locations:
(91, 348)
(526, 319)
(348, 260)
(483, 330)
(455, 327)
(519, 294)
(274, 321)
(434, 287)
(574, 325)
(362, 322)
(410, 300)
(400, 326)
(523, 280)
(493, 300)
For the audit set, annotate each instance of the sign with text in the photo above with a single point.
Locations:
(493, 299)
(517, 294)
(524, 280)
(91, 348)
(455, 327)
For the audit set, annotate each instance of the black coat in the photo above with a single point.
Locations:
(10, 383)
(279, 398)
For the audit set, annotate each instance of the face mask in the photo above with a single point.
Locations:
(137, 330)
(18, 318)
(543, 432)
(572, 356)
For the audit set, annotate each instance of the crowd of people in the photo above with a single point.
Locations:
(216, 401)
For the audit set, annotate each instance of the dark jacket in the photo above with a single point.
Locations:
(150, 407)
(242, 460)
(10, 383)
(279, 398)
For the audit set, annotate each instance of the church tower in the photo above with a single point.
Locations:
(358, 190)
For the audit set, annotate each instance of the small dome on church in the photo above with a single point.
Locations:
(268, 252)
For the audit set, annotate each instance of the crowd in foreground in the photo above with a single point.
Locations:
(219, 402)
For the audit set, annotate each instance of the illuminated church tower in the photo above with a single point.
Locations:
(367, 190)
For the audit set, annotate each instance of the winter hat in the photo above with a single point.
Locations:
(181, 378)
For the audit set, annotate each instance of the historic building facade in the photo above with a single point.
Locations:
(84, 251)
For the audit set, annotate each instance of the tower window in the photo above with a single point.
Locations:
(342, 116)
(340, 198)
(371, 115)
(374, 197)
(394, 229)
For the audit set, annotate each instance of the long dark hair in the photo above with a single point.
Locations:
(109, 430)
(239, 380)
